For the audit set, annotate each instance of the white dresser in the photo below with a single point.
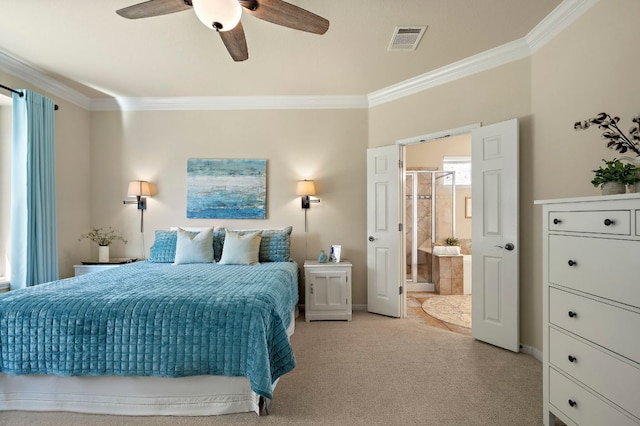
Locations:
(591, 310)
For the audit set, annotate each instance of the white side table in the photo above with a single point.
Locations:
(327, 290)
(87, 269)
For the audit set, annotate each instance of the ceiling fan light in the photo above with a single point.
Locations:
(221, 15)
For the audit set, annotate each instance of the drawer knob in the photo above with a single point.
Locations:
(572, 314)
(572, 358)
(573, 403)
(557, 221)
(609, 222)
(572, 263)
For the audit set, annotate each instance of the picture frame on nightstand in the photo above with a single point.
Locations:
(336, 253)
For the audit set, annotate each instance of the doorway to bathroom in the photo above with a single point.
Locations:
(437, 206)
(437, 237)
(429, 217)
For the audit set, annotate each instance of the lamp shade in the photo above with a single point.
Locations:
(139, 188)
(306, 187)
(221, 15)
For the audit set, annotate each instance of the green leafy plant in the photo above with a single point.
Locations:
(103, 236)
(615, 171)
(616, 139)
(452, 241)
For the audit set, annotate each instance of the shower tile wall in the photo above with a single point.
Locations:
(444, 201)
(424, 223)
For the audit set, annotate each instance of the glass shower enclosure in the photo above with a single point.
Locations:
(429, 219)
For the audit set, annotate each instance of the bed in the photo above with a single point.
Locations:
(152, 337)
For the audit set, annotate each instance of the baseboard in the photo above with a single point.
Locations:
(530, 350)
(353, 307)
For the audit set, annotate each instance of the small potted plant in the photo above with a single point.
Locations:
(104, 237)
(614, 176)
(451, 247)
(452, 241)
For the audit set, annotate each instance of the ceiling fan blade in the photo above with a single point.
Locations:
(236, 43)
(282, 13)
(151, 8)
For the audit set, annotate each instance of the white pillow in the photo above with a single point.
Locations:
(194, 247)
(241, 248)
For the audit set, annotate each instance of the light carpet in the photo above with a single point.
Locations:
(375, 371)
(454, 309)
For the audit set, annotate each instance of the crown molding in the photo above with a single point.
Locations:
(483, 61)
(203, 103)
(560, 18)
(36, 78)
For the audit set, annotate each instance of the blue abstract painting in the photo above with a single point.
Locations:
(226, 189)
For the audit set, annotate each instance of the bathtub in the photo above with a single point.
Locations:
(466, 273)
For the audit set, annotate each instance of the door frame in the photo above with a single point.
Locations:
(430, 137)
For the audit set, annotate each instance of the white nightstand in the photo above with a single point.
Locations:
(87, 269)
(327, 290)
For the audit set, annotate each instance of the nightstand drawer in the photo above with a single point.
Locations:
(611, 222)
(581, 406)
(592, 265)
(603, 324)
(619, 382)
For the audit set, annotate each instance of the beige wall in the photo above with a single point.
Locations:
(72, 175)
(325, 145)
(590, 67)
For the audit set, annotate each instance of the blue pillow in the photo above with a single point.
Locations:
(163, 249)
(218, 243)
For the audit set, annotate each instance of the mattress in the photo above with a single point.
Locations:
(155, 320)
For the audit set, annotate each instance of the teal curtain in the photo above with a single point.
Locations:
(34, 245)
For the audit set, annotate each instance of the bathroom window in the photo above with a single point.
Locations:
(461, 166)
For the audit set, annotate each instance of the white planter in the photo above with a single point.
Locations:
(446, 250)
(103, 254)
(612, 188)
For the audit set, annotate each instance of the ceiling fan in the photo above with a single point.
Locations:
(224, 17)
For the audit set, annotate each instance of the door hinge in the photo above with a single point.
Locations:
(400, 227)
(400, 164)
(401, 289)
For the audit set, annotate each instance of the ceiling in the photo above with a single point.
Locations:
(87, 46)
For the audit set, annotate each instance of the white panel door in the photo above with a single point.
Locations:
(384, 283)
(495, 316)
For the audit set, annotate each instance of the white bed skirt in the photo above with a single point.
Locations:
(184, 396)
(134, 396)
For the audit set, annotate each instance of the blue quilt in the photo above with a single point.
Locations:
(153, 319)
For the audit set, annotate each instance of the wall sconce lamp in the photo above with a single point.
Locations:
(139, 189)
(305, 189)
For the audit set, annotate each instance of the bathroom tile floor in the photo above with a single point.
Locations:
(415, 300)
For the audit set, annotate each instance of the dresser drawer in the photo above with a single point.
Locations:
(587, 408)
(601, 323)
(610, 222)
(599, 266)
(619, 381)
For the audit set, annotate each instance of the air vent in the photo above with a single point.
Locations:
(406, 38)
